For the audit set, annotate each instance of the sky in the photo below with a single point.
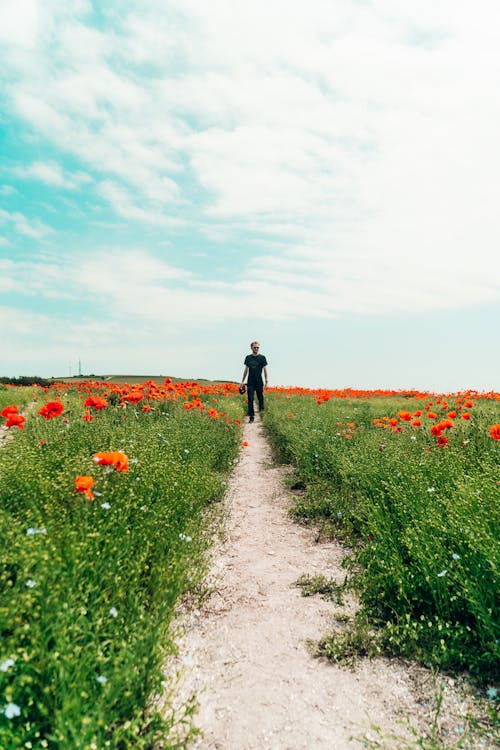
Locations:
(181, 177)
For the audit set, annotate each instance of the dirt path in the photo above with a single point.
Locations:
(245, 653)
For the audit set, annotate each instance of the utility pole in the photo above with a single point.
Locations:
(79, 368)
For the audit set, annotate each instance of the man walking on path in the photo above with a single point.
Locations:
(255, 363)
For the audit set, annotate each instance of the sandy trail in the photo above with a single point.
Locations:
(246, 653)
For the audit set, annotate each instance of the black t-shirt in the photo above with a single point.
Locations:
(255, 364)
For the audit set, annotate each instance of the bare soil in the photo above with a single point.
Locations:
(245, 655)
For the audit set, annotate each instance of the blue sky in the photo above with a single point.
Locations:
(178, 178)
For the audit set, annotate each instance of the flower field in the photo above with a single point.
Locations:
(412, 482)
(105, 493)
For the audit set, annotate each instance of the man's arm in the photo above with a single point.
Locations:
(245, 373)
(265, 377)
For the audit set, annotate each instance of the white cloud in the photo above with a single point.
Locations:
(356, 141)
(19, 22)
(8, 190)
(33, 228)
(119, 198)
(50, 173)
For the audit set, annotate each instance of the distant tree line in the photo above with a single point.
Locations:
(25, 380)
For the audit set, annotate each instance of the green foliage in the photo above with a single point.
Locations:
(19, 397)
(423, 520)
(328, 588)
(89, 587)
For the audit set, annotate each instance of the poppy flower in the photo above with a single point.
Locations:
(442, 441)
(436, 429)
(117, 459)
(15, 420)
(465, 415)
(417, 422)
(431, 414)
(404, 415)
(495, 431)
(96, 402)
(9, 410)
(447, 424)
(244, 444)
(84, 484)
(51, 410)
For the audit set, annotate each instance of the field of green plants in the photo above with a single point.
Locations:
(108, 494)
(105, 500)
(412, 483)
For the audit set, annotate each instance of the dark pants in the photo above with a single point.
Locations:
(259, 390)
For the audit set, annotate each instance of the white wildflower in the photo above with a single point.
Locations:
(33, 530)
(106, 506)
(113, 611)
(12, 710)
(442, 573)
(30, 583)
(101, 679)
(6, 664)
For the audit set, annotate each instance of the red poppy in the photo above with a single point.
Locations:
(465, 415)
(244, 444)
(495, 431)
(447, 424)
(83, 484)
(442, 441)
(117, 459)
(95, 402)
(431, 414)
(416, 422)
(9, 410)
(51, 410)
(404, 415)
(15, 420)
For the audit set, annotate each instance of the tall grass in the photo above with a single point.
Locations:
(423, 519)
(89, 587)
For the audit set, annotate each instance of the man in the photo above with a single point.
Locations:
(255, 363)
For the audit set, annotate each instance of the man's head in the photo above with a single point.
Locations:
(255, 346)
